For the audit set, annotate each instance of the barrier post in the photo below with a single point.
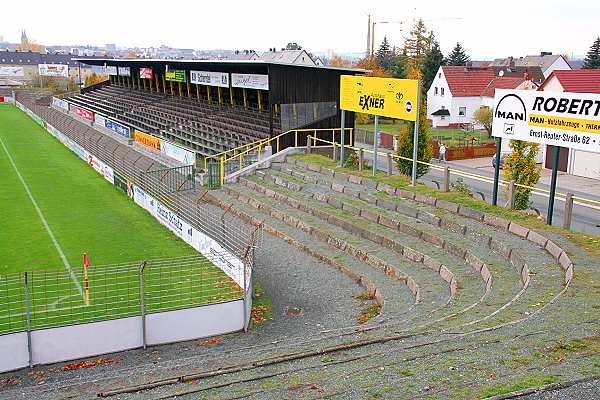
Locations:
(308, 144)
(568, 211)
(361, 159)
(334, 155)
(343, 131)
(497, 171)
(389, 163)
(446, 179)
(28, 316)
(556, 153)
(222, 169)
(295, 138)
(511, 195)
(375, 140)
(416, 136)
(143, 303)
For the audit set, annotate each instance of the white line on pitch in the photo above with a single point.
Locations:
(44, 222)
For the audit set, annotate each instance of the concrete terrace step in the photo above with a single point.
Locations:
(395, 297)
(432, 290)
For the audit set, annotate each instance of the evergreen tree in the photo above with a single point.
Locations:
(431, 65)
(458, 56)
(399, 69)
(405, 139)
(385, 55)
(592, 60)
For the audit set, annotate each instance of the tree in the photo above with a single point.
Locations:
(484, 116)
(416, 46)
(399, 68)
(520, 167)
(93, 78)
(592, 60)
(339, 62)
(385, 56)
(370, 63)
(293, 46)
(458, 56)
(405, 140)
(431, 65)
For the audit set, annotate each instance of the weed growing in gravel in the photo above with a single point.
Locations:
(367, 313)
(530, 382)
(364, 296)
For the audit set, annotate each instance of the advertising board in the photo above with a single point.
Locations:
(146, 73)
(177, 153)
(208, 78)
(55, 70)
(118, 128)
(111, 70)
(83, 113)
(60, 103)
(386, 97)
(124, 71)
(175, 75)
(12, 72)
(250, 81)
(147, 140)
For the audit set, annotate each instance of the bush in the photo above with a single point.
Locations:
(520, 166)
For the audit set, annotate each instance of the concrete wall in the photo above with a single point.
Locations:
(13, 351)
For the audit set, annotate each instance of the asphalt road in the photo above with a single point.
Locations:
(584, 219)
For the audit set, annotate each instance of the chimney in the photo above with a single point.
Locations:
(511, 63)
(545, 53)
(469, 64)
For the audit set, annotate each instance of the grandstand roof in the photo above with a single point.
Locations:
(122, 61)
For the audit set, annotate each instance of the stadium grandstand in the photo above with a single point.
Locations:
(208, 107)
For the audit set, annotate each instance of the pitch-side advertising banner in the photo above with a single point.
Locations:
(386, 97)
(103, 169)
(111, 70)
(208, 78)
(60, 103)
(12, 72)
(250, 81)
(229, 264)
(147, 140)
(555, 118)
(178, 153)
(146, 73)
(100, 120)
(83, 113)
(116, 127)
(56, 70)
(124, 71)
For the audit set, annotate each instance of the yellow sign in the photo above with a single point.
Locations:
(386, 97)
(147, 140)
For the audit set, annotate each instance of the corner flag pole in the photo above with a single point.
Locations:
(85, 278)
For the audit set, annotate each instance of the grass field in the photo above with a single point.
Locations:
(452, 137)
(79, 211)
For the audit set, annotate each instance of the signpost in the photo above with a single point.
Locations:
(559, 119)
(385, 97)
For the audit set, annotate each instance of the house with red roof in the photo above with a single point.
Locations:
(457, 92)
(576, 162)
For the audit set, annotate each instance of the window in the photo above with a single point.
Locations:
(462, 111)
(443, 107)
(440, 75)
(443, 117)
(436, 90)
(442, 91)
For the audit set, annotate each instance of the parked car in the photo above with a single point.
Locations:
(503, 155)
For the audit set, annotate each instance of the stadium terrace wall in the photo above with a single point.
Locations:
(44, 346)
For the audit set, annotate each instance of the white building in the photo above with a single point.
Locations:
(458, 92)
(547, 61)
(576, 162)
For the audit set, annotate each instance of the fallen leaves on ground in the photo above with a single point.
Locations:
(210, 342)
(10, 381)
(260, 314)
(87, 364)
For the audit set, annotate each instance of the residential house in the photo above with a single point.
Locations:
(547, 61)
(296, 57)
(458, 92)
(576, 162)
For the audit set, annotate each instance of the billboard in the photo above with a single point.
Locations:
(110, 70)
(175, 75)
(208, 78)
(124, 71)
(147, 140)
(103, 169)
(99, 70)
(60, 103)
(177, 153)
(386, 97)
(55, 70)
(556, 118)
(250, 81)
(116, 127)
(100, 120)
(83, 113)
(146, 73)
(12, 72)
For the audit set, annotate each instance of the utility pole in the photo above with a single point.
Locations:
(368, 37)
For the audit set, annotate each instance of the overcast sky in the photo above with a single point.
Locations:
(487, 29)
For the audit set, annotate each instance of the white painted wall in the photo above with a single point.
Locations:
(436, 102)
(559, 65)
(13, 351)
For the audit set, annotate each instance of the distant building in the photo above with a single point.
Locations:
(29, 60)
(547, 61)
(27, 45)
(457, 93)
(296, 57)
(576, 162)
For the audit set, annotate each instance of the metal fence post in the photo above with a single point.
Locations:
(390, 165)
(361, 159)
(375, 135)
(143, 303)
(568, 211)
(343, 132)
(28, 316)
(511, 195)
(446, 179)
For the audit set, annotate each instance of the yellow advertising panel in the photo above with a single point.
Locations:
(386, 97)
(147, 140)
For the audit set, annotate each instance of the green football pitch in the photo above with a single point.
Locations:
(54, 208)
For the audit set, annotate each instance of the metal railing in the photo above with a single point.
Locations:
(581, 201)
(47, 299)
(237, 158)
